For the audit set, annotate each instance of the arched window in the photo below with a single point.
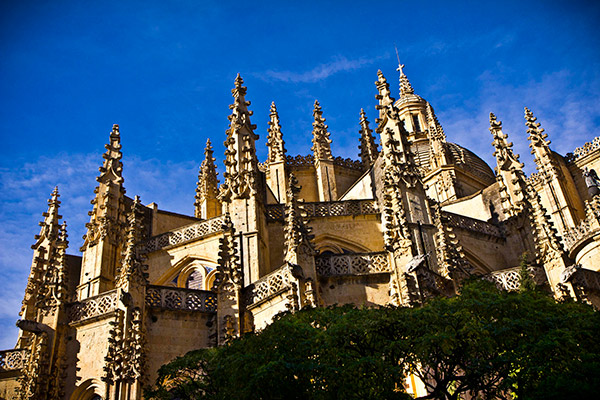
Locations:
(195, 280)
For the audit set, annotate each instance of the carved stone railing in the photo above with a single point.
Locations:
(93, 307)
(300, 161)
(584, 150)
(13, 360)
(535, 179)
(579, 234)
(172, 298)
(185, 234)
(270, 285)
(352, 264)
(510, 279)
(472, 224)
(276, 212)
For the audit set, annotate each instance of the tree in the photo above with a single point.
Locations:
(485, 343)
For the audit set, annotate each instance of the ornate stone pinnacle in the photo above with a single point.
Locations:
(368, 148)
(405, 86)
(321, 142)
(275, 141)
(435, 128)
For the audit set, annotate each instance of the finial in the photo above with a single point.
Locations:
(238, 81)
(494, 123)
(115, 129)
(405, 86)
(400, 66)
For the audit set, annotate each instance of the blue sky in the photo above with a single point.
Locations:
(164, 70)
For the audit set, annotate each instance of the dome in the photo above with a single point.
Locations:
(459, 156)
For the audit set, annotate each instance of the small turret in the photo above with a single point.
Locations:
(207, 204)
(368, 147)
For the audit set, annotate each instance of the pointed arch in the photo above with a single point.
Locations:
(179, 274)
(90, 389)
(338, 245)
(477, 263)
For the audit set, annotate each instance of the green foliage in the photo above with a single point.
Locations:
(486, 343)
(525, 279)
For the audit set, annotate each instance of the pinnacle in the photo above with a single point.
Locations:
(238, 81)
(273, 107)
(115, 129)
(405, 86)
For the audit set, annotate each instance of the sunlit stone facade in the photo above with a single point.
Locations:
(412, 218)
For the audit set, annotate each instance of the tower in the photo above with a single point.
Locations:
(102, 244)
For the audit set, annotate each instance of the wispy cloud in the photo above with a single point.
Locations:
(322, 71)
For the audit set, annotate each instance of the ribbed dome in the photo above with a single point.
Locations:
(469, 161)
(409, 98)
(462, 158)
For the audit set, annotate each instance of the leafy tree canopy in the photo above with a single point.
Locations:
(484, 343)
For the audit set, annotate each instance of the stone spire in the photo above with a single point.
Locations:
(47, 275)
(275, 141)
(132, 271)
(368, 148)
(437, 139)
(206, 204)
(321, 142)
(384, 97)
(107, 208)
(540, 146)
(405, 86)
(241, 165)
(229, 280)
(298, 236)
(509, 170)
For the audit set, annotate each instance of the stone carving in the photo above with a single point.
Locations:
(584, 150)
(275, 212)
(321, 143)
(106, 220)
(13, 360)
(131, 270)
(93, 307)
(368, 147)
(298, 238)
(472, 224)
(241, 165)
(270, 285)
(181, 299)
(352, 264)
(186, 234)
(207, 187)
(275, 141)
(510, 279)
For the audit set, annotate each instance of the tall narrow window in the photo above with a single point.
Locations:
(416, 123)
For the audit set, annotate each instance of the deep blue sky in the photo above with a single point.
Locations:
(164, 70)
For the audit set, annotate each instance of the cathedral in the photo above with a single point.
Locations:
(411, 219)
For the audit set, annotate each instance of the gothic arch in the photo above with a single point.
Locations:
(479, 266)
(338, 245)
(181, 271)
(90, 389)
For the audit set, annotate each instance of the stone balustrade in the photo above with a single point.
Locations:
(93, 307)
(185, 234)
(510, 279)
(276, 212)
(582, 232)
(352, 264)
(13, 360)
(172, 298)
(472, 224)
(584, 150)
(269, 285)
